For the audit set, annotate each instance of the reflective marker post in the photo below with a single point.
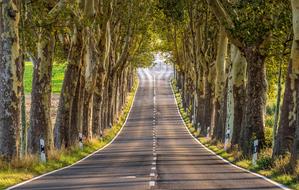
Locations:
(227, 137)
(255, 149)
(42, 150)
(81, 141)
(208, 132)
(198, 128)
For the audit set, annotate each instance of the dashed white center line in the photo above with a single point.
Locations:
(153, 173)
(152, 183)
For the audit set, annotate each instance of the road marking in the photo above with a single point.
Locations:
(258, 175)
(152, 183)
(153, 168)
(154, 158)
(128, 177)
(54, 171)
(152, 174)
(155, 154)
(153, 163)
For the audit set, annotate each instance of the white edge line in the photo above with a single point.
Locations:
(66, 167)
(243, 169)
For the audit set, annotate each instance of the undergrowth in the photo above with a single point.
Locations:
(30, 166)
(275, 169)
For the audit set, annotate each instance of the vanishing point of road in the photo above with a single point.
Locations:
(154, 150)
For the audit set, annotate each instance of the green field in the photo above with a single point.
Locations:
(57, 77)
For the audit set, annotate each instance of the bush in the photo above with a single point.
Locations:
(270, 109)
(281, 164)
(269, 121)
(265, 159)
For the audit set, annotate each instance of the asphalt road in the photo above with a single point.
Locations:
(153, 151)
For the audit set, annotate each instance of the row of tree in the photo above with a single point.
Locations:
(102, 42)
(222, 50)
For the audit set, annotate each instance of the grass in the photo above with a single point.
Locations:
(57, 77)
(277, 170)
(20, 170)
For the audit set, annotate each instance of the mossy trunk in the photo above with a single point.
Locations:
(9, 80)
(40, 112)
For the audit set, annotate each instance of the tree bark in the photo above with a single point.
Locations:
(63, 119)
(207, 105)
(294, 87)
(238, 79)
(253, 115)
(220, 84)
(9, 80)
(40, 115)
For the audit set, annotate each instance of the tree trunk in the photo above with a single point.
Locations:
(293, 89)
(23, 132)
(97, 103)
(72, 133)
(87, 115)
(277, 107)
(253, 115)
(40, 113)
(200, 100)
(63, 119)
(220, 86)
(9, 80)
(238, 79)
(229, 104)
(207, 106)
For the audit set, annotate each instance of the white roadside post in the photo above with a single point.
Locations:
(81, 141)
(255, 149)
(208, 132)
(42, 150)
(198, 128)
(227, 137)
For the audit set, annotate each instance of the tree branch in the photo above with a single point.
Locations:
(225, 20)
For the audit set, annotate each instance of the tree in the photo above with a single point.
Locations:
(10, 71)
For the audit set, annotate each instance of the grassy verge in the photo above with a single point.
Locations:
(276, 170)
(57, 77)
(30, 166)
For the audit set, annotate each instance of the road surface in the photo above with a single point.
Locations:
(153, 151)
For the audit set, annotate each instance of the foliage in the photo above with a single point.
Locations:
(276, 169)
